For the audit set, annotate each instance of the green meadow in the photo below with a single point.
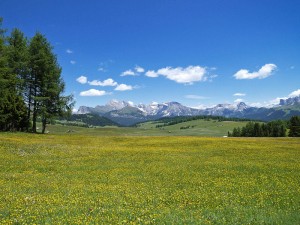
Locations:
(82, 177)
(193, 128)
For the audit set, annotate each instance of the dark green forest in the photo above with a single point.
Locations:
(276, 128)
(31, 85)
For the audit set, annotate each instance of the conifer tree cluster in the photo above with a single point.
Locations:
(270, 129)
(294, 125)
(276, 128)
(31, 84)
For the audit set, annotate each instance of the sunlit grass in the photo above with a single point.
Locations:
(76, 179)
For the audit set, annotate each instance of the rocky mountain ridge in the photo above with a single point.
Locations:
(126, 113)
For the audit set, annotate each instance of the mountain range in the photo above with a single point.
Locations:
(126, 113)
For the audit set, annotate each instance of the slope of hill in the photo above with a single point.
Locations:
(197, 127)
(86, 120)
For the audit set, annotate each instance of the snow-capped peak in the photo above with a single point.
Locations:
(116, 104)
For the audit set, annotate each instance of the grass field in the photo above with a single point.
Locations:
(196, 128)
(88, 179)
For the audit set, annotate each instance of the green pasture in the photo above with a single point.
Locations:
(82, 178)
(196, 128)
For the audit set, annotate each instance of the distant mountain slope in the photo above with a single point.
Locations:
(102, 109)
(90, 120)
(126, 114)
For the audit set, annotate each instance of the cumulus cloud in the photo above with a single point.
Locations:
(187, 75)
(239, 94)
(151, 73)
(82, 79)
(196, 97)
(294, 93)
(93, 92)
(128, 73)
(139, 69)
(123, 87)
(69, 51)
(276, 101)
(238, 100)
(264, 72)
(107, 82)
(291, 95)
(73, 62)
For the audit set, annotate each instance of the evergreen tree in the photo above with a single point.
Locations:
(265, 132)
(12, 107)
(271, 129)
(294, 126)
(47, 86)
(18, 63)
(257, 130)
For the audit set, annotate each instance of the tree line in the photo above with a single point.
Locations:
(31, 84)
(276, 128)
(182, 119)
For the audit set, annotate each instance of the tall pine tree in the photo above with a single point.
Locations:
(18, 63)
(47, 86)
(12, 106)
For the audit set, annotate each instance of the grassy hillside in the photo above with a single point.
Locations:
(192, 128)
(87, 120)
(83, 179)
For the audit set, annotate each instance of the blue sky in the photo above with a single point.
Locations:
(191, 51)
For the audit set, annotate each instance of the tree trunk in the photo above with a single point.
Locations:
(28, 113)
(44, 123)
(34, 117)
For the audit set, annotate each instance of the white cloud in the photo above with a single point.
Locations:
(139, 69)
(276, 101)
(107, 82)
(199, 107)
(256, 104)
(239, 94)
(211, 77)
(292, 67)
(93, 92)
(187, 75)
(82, 79)
(151, 73)
(128, 73)
(73, 62)
(196, 97)
(263, 72)
(294, 93)
(101, 69)
(123, 87)
(69, 51)
(238, 100)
